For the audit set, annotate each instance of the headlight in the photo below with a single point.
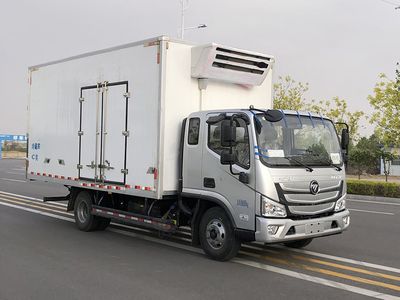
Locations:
(271, 208)
(340, 204)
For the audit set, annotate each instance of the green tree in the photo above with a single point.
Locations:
(360, 159)
(374, 145)
(337, 111)
(288, 94)
(387, 158)
(386, 103)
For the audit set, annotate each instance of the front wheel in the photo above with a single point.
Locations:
(217, 236)
(298, 244)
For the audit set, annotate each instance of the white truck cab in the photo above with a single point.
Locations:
(162, 134)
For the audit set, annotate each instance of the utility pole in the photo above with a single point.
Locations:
(184, 7)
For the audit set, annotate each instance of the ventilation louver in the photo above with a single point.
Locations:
(218, 62)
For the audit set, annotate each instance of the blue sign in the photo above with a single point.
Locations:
(9, 137)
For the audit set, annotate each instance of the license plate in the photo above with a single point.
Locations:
(316, 227)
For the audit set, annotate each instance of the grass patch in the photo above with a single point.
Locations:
(373, 188)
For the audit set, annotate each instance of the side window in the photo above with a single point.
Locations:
(193, 132)
(242, 148)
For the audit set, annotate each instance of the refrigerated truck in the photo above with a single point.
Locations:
(162, 134)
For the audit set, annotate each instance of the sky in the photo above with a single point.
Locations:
(338, 46)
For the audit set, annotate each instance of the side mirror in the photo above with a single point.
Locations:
(345, 139)
(228, 134)
(227, 158)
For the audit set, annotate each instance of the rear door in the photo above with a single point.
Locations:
(89, 132)
(104, 132)
(115, 133)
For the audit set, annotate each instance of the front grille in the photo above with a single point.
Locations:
(310, 209)
(305, 217)
(301, 204)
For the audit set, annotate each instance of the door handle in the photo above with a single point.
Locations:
(106, 166)
(92, 165)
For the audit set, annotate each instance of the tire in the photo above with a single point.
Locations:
(84, 220)
(217, 236)
(298, 244)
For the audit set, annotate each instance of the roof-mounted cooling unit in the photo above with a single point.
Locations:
(218, 62)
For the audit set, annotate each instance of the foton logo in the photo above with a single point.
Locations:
(314, 187)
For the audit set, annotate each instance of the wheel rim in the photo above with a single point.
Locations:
(83, 212)
(215, 234)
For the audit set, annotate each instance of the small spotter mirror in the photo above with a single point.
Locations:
(273, 115)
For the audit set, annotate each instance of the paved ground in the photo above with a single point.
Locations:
(43, 256)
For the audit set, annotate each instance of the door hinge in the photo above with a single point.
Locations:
(80, 133)
(125, 133)
(124, 171)
(81, 99)
(127, 95)
(79, 167)
(151, 170)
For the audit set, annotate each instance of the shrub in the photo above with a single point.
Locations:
(373, 188)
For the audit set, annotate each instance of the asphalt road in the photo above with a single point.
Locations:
(44, 256)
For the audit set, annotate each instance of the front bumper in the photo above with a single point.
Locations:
(290, 230)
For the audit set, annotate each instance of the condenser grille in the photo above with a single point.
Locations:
(242, 61)
(236, 68)
(242, 53)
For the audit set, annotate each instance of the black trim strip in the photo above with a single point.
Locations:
(101, 135)
(126, 129)
(89, 87)
(80, 129)
(212, 199)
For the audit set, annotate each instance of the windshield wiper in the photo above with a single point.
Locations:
(327, 161)
(291, 158)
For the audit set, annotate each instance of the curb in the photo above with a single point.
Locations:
(373, 198)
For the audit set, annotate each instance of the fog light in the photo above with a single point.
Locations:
(346, 220)
(272, 229)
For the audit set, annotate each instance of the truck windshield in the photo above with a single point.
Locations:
(296, 140)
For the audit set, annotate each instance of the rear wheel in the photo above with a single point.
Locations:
(84, 219)
(217, 236)
(299, 243)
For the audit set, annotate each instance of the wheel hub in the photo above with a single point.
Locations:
(215, 234)
(83, 212)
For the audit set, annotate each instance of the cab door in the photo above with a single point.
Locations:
(218, 179)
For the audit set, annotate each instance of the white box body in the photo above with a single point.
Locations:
(149, 91)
